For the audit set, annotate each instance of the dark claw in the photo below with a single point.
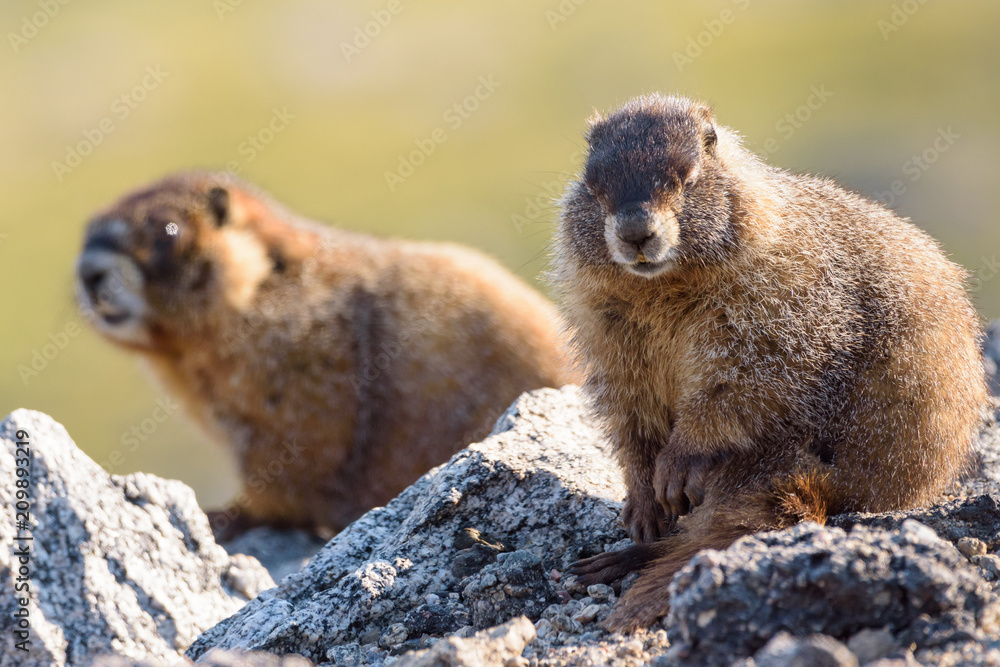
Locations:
(680, 482)
(644, 520)
(694, 490)
(609, 567)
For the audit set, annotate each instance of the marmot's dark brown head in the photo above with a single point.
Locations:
(653, 196)
(164, 260)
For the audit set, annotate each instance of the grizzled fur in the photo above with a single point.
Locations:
(338, 367)
(762, 347)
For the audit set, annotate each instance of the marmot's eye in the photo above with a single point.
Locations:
(165, 231)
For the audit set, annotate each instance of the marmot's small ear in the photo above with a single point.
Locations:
(710, 138)
(705, 113)
(218, 204)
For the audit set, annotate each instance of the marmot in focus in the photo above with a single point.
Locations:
(762, 347)
(338, 367)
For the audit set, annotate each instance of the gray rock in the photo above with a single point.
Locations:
(600, 592)
(784, 650)
(282, 552)
(543, 483)
(904, 659)
(976, 517)
(491, 532)
(871, 645)
(495, 647)
(519, 583)
(435, 619)
(825, 580)
(964, 654)
(123, 565)
(214, 658)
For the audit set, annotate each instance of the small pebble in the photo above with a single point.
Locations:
(564, 623)
(587, 614)
(600, 592)
(632, 649)
(553, 610)
(573, 585)
(871, 645)
(395, 635)
(970, 546)
(990, 565)
(543, 627)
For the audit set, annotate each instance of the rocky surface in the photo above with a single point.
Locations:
(812, 579)
(932, 572)
(467, 567)
(471, 544)
(214, 658)
(123, 565)
(487, 648)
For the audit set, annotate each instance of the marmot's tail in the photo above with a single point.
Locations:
(800, 496)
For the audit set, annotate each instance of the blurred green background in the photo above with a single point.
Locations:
(850, 89)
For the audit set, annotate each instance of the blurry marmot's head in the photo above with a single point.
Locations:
(165, 260)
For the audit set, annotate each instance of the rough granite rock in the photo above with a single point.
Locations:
(214, 658)
(433, 565)
(124, 565)
(486, 538)
(814, 579)
(784, 650)
(542, 484)
(487, 648)
(517, 582)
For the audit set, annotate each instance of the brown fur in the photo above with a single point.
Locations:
(338, 367)
(762, 347)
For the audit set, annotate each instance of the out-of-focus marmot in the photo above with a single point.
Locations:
(338, 367)
(763, 347)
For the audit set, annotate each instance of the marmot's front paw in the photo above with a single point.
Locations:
(679, 481)
(643, 518)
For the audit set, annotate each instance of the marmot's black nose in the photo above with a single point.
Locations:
(634, 224)
(91, 277)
